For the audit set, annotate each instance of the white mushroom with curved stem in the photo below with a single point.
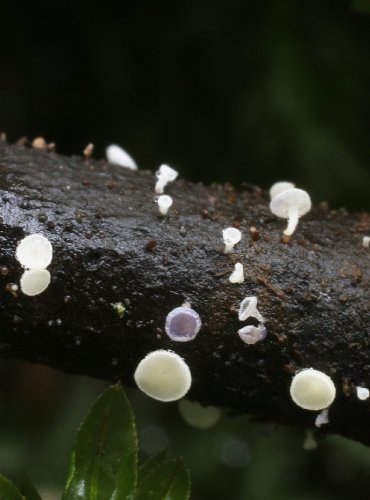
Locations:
(118, 156)
(165, 174)
(163, 375)
(291, 204)
(248, 309)
(231, 237)
(280, 187)
(322, 418)
(164, 203)
(312, 390)
(237, 276)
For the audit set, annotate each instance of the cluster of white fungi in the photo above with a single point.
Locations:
(163, 374)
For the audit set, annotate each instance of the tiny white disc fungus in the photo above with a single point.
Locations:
(291, 204)
(312, 390)
(34, 252)
(248, 309)
(237, 276)
(252, 334)
(197, 415)
(163, 375)
(165, 174)
(362, 393)
(366, 241)
(118, 156)
(164, 203)
(231, 237)
(35, 281)
(322, 418)
(279, 187)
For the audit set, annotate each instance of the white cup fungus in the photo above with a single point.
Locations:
(248, 309)
(280, 187)
(252, 334)
(366, 241)
(197, 415)
(237, 276)
(34, 252)
(291, 204)
(312, 390)
(35, 281)
(118, 156)
(164, 203)
(322, 418)
(231, 237)
(165, 174)
(163, 375)
(362, 393)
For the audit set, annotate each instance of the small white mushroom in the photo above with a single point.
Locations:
(362, 393)
(312, 390)
(165, 174)
(366, 241)
(118, 156)
(291, 204)
(248, 309)
(252, 334)
(280, 187)
(231, 237)
(164, 203)
(237, 276)
(163, 375)
(35, 281)
(197, 415)
(34, 252)
(322, 418)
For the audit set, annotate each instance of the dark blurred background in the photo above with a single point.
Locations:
(222, 90)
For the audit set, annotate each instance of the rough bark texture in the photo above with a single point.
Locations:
(111, 246)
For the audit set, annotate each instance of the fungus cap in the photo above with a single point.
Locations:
(182, 324)
(163, 375)
(366, 241)
(164, 203)
(312, 390)
(291, 204)
(252, 334)
(280, 187)
(34, 252)
(362, 393)
(237, 276)
(118, 156)
(197, 415)
(248, 309)
(231, 237)
(35, 281)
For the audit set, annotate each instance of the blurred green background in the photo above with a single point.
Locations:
(224, 91)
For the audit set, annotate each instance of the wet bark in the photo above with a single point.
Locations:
(111, 246)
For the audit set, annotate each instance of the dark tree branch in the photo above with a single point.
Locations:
(110, 246)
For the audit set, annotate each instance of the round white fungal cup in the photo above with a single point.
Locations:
(118, 156)
(237, 276)
(35, 282)
(291, 204)
(312, 390)
(165, 174)
(34, 252)
(280, 187)
(163, 375)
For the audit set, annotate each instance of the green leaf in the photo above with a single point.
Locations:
(8, 491)
(162, 479)
(28, 490)
(104, 460)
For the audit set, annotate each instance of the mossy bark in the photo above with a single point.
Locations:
(111, 247)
